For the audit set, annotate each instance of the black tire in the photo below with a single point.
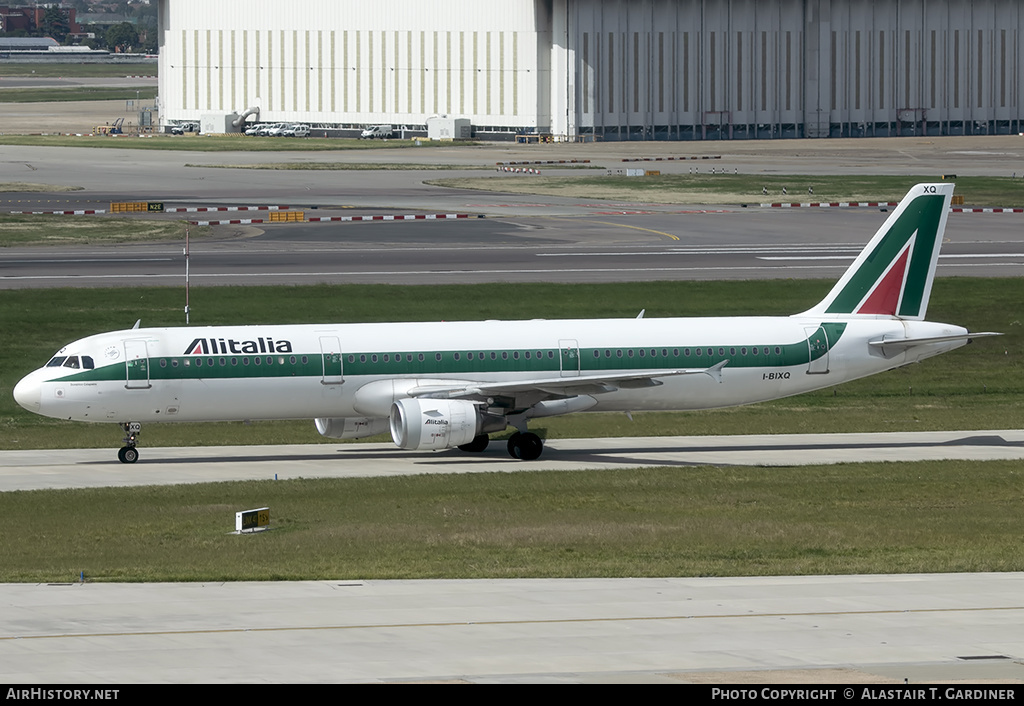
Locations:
(513, 444)
(530, 447)
(525, 446)
(128, 454)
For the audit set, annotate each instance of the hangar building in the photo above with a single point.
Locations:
(611, 69)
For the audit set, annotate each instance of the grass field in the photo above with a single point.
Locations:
(977, 387)
(90, 70)
(345, 166)
(742, 188)
(695, 521)
(78, 93)
(82, 230)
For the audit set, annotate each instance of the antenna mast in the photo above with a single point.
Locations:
(186, 277)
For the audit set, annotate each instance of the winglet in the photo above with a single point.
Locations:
(893, 275)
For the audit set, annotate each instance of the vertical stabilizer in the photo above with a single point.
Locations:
(894, 273)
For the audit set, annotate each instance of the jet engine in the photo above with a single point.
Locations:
(421, 423)
(350, 427)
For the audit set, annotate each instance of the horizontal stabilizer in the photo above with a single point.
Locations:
(903, 343)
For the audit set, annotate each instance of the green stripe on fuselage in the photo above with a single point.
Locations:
(541, 362)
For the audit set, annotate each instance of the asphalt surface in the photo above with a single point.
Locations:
(945, 630)
(86, 468)
(512, 250)
(521, 238)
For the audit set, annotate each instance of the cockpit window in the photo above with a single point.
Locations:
(84, 362)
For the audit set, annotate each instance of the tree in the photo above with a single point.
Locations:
(55, 24)
(122, 37)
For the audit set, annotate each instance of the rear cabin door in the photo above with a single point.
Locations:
(817, 345)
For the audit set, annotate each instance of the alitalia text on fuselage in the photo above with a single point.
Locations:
(221, 346)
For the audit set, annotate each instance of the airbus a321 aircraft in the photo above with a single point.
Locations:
(450, 384)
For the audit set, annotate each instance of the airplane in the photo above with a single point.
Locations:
(440, 385)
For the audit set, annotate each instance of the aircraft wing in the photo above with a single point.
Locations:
(561, 386)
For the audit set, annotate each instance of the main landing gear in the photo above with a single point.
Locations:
(128, 453)
(525, 446)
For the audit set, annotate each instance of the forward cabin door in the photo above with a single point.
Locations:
(330, 353)
(136, 361)
(569, 357)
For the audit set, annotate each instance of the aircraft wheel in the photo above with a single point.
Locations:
(513, 444)
(478, 444)
(525, 446)
(128, 454)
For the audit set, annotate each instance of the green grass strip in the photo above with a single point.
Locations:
(117, 70)
(78, 93)
(743, 188)
(693, 521)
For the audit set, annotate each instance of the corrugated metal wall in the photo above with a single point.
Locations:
(713, 69)
(348, 61)
(621, 69)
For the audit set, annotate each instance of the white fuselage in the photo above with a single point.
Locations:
(324, 371)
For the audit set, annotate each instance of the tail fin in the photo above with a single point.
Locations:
(894, 273)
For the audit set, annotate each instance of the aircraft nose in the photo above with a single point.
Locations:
(28, 393)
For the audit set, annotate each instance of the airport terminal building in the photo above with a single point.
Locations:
(600, 69)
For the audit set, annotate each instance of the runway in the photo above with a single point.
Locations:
(727, 245)
(939, 628)
(81, 468)
(523, 238)
(914, 629)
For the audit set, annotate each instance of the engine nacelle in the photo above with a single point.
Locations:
(350, 427)
(433, 424)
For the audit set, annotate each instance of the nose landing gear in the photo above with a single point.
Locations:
(128, 453)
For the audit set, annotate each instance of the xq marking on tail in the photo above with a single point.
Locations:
(451, 384)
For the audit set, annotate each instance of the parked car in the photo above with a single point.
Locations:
(270, 129)
(182, 128)
(253, 129)
(296, 130)
(376, 131)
